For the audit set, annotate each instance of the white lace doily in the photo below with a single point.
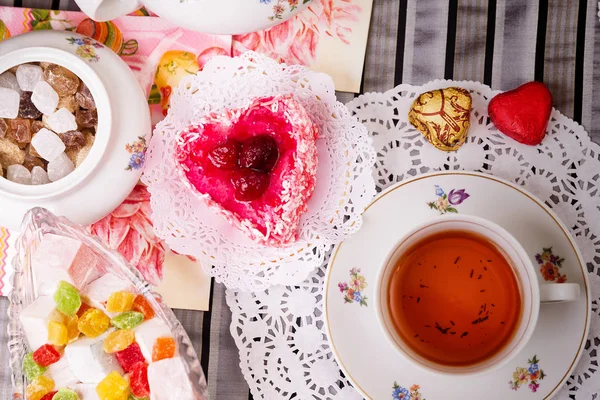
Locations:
(280, 332)
(344, 180)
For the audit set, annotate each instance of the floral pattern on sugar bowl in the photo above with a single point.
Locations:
(402, 393)
(280, 7)
(353, 290)
(530, 376)
(137, 150)
(86, 48)
(446, 203)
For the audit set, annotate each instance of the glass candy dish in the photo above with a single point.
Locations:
(39, 222)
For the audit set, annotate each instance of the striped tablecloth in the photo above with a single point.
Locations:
(501, 43)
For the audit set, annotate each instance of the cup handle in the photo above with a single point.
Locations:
(105, 10)
(559, 292)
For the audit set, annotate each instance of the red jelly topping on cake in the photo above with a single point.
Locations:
(255, 166)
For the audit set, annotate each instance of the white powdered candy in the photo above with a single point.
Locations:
(48, 144)
(86, 391)
(39, 176)
(61, 373)
(44, 97)
(147, 333)
(88, 361)
(28, 76)
(9, 103)
(9, 80)
(60, 258)
(60, 167)
(35, 317)
(168, 380)
(18, 174)
(62, 121)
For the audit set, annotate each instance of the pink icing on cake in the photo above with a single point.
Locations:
(273, 218)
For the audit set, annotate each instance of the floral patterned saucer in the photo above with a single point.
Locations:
(376, 369)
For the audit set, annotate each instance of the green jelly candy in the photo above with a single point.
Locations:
(65, 394)
(132, 397)
(67, 299)
(31, 369)
(127, 320)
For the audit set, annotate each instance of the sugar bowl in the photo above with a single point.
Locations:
(74, 123)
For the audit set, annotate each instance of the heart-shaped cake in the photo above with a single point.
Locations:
(256, 166)
(523, 113)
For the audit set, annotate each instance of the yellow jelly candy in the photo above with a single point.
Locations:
(118, 340)
(113, 387)
(40, 387)
(120, 302)
(72, 329)
(57, 333)
(93, 323)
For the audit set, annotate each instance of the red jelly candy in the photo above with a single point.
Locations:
(138, 380)
(46, 355)
(129, 357)
(49, 396)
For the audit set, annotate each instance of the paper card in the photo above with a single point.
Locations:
(185, 285)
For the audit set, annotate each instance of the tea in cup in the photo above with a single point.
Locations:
(459, 295)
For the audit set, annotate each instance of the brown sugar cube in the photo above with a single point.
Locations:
(10, 152)
(20, 131)
(79, 155)
(69, 103)
(4, 128)
(63, 81)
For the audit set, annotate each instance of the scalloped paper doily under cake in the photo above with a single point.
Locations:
(344, 175)
(280, 332)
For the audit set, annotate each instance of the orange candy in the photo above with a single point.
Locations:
(84, 307)
(72, 329)
(142, 305)
(164, 347)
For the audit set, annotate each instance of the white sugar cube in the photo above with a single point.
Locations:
(61, 373)
(39, 176)
(34, 319)
(48, 144)
(169, 380)
(62, 121)
(44, 97)
(86, 391)
(98, 291)
(28, 76)
(147, 333)
(9, 80)
(18, 174)
(88, 361)
(9, 103)
(60, 167)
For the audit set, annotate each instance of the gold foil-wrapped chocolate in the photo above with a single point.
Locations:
(442, 115)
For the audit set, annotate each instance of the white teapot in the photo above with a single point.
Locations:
(211, 16)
